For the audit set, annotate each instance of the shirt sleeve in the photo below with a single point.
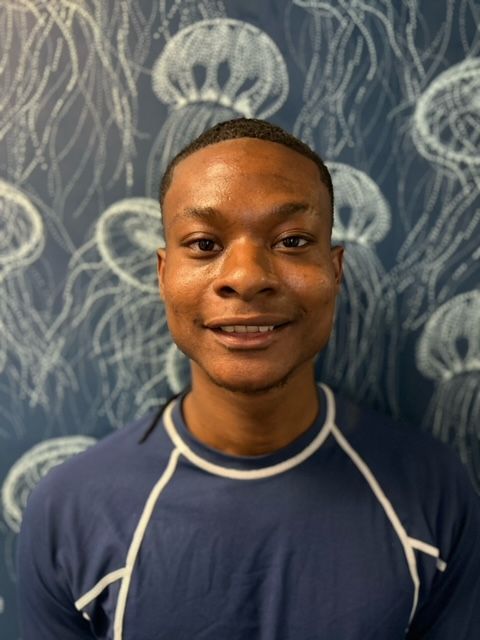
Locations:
(46, 605)
(452, 607)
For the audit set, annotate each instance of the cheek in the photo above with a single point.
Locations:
(178, 306)
(183, 293)
(180, 285)
(183, 277)
(321, 311)
(175, 301)
(314, 292)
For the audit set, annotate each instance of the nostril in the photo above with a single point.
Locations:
(227, 291)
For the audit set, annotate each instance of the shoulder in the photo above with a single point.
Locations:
(118, 470)
(421, 477)
(393, 446)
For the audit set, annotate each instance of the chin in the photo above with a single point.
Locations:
(251, 375)
(249, 388)
(248, 383)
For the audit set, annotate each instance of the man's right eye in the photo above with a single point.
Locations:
(205, 245)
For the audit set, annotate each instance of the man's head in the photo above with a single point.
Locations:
(248, 275)
(246, 128)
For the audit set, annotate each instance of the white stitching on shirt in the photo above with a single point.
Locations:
(254, 474)
(137, 541)
(429, 550)
(389, 511)
(96, 590)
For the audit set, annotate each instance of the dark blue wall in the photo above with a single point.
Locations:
(96, 96)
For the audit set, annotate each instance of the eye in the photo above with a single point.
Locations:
(204, 245)
(293, 242)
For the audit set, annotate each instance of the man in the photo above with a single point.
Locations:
(258, 505)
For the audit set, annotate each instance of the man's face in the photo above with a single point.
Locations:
(248, 276)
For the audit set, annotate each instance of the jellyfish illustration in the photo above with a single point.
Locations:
(33, 465)
(440, 253)
(21, 243)
(68, 97)
(448, 352)
(446, 118)
(112, 320)
(425, 41)
(29, 361)
(361, 348)
(127, 235)
(211, 71)
(347, 50)
(21, 230)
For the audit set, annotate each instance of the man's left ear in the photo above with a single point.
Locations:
(337, 262)
(161, 271)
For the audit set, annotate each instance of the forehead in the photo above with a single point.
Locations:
(246, 170)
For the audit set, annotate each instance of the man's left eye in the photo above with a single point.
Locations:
(293, 242)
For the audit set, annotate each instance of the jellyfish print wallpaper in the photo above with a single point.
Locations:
(97, 96)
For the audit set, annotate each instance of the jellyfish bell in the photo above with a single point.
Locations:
(31, 467)
(450, 342)
(222, 61)
(21, 230)
(362, 214)
(448, 352)
(446, 122)
(211, 71)
(127, 235)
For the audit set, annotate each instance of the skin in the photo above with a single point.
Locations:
(247, 227)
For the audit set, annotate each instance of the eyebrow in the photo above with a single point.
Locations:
(210, 214)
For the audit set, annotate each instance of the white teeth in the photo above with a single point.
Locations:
(242, 328)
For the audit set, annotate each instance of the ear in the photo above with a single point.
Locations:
(336, 254)
(161, 257)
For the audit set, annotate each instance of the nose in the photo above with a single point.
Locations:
(246, 270)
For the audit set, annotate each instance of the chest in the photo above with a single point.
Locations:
(268, 560)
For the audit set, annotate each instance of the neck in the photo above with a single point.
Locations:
(251, 424)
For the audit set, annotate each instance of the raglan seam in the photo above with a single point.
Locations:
(388, 508)
(137, 540)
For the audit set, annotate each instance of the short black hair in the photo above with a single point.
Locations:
(246, 128)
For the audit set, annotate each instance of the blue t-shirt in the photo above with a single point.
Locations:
(358, 530)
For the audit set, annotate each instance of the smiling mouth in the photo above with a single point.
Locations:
(248, 336)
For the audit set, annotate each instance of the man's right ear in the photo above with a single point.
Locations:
(161, 271)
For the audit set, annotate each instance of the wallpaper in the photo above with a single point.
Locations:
(96, 96)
